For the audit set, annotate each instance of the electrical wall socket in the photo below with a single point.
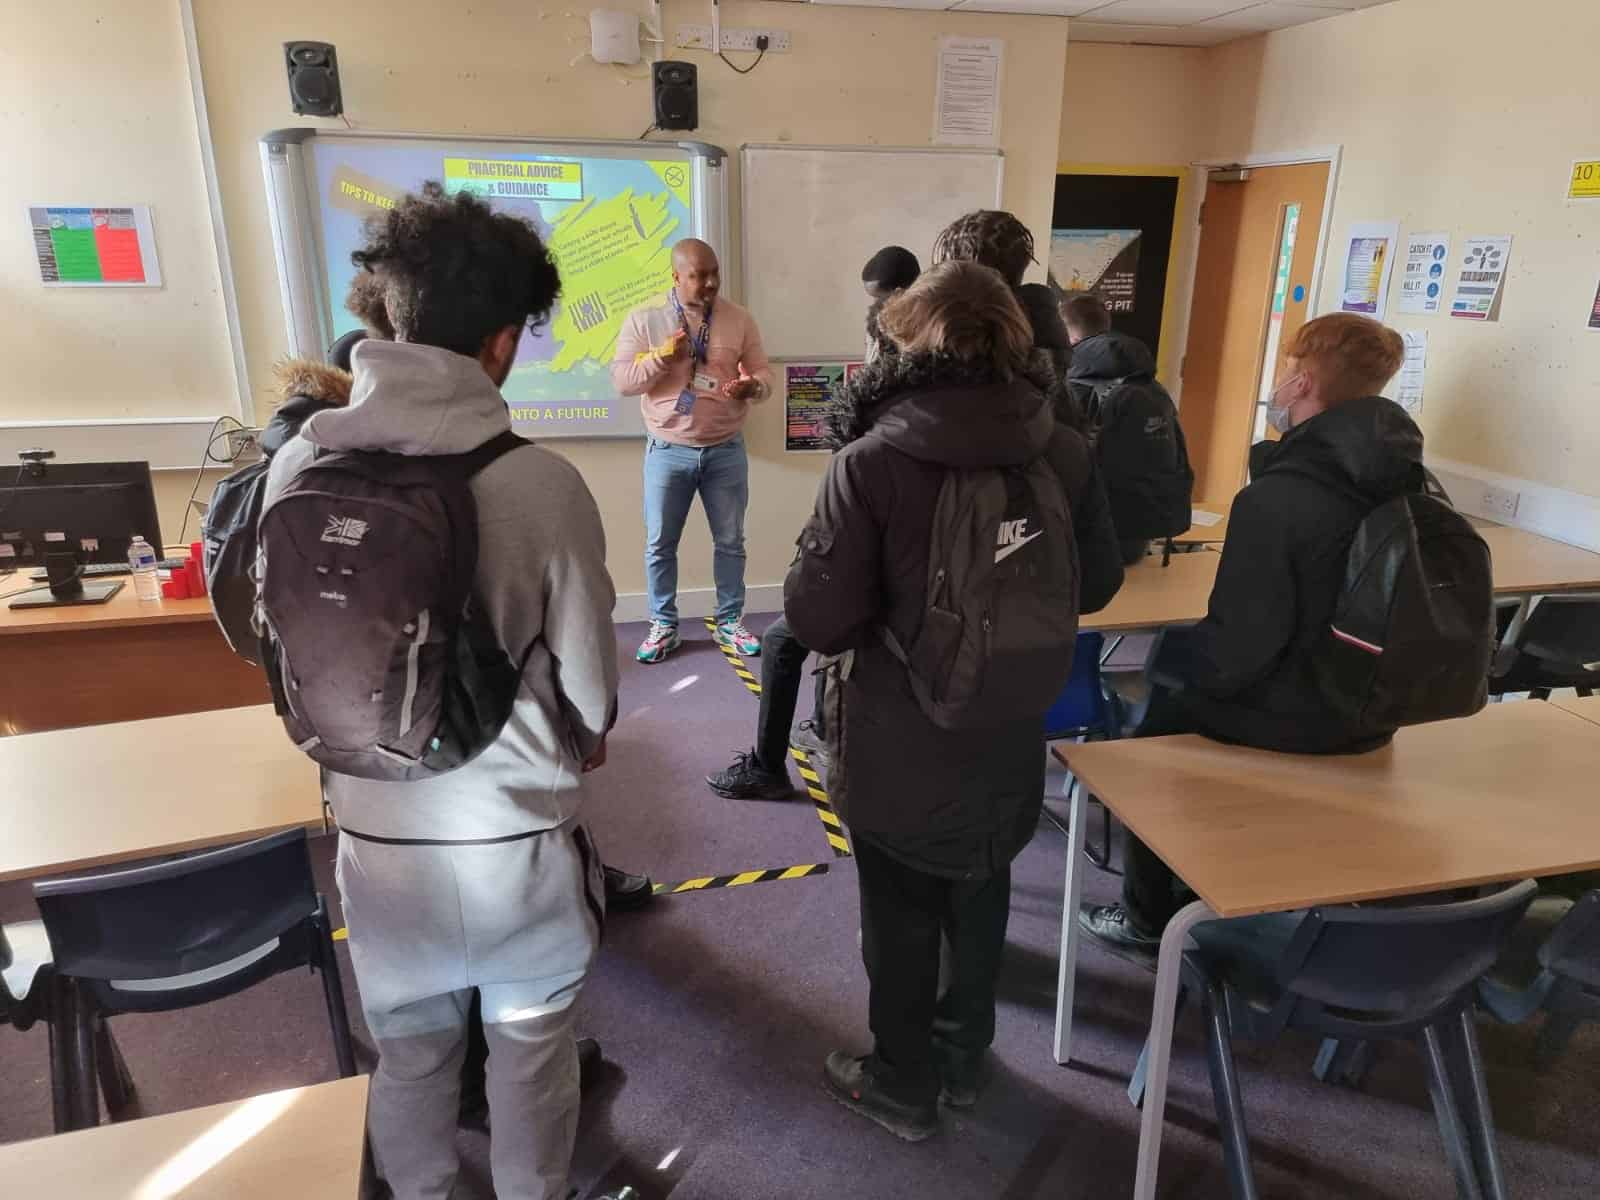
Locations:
(1501, 502)
(698, 37)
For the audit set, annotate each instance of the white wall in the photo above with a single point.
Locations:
(1461, 115)
(95, 108)
(855, 76)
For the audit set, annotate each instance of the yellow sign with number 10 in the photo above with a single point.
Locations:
(1585, 181)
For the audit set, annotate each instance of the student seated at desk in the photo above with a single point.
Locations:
(1245, 673)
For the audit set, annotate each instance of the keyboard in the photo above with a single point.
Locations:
(101, 570)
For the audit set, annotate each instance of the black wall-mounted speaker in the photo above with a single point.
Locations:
(677, 92)
(313, 78)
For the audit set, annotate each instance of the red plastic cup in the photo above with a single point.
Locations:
(169, 590)
(197, 577)
(180, 584)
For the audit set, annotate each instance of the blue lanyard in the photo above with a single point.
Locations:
(700, 342)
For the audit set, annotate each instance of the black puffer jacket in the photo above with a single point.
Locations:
(1137, 438)
(1246, 669)
(956, 804)
(1050, 337)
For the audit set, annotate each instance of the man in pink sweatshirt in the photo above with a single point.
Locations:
(696, 363)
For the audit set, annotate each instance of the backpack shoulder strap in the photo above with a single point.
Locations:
(503, 442)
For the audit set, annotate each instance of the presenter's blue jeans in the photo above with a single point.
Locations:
(673, 475)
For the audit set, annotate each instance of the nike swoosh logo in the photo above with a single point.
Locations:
(1006, 552)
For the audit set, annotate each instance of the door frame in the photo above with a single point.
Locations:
(1169, 294)
(1332, 155)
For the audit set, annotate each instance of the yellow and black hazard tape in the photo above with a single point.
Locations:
(831, 825)
(734, 661)
(770, 875)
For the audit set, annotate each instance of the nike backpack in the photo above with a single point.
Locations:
(1001, 620)
(228, 555)
(1413, 629)
(1143, 459)
(382, 663)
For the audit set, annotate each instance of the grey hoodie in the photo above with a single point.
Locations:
(541, 576)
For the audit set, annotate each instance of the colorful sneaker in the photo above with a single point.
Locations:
(737, 638)
(661, 641)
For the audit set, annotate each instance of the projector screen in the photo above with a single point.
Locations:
(609, 211)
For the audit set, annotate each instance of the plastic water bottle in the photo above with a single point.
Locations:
(142, 558)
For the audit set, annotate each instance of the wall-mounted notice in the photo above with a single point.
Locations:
(809, 389)
(1368, 266)
(1479, 278)
(1594, 312)
(1408, 384)
(966, 110)
(1422, 284)
(1585, 182)
(79, 246)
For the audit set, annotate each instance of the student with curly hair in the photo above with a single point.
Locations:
(482, 878)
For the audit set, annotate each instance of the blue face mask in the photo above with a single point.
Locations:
(1278, 414)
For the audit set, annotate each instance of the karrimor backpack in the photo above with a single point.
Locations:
(1413, 630)
(1002, 601)
(382, 663)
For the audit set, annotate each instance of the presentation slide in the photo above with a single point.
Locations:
(610, 223)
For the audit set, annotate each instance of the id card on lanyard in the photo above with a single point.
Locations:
(700, 345)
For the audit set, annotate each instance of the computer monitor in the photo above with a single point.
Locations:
(92, 509)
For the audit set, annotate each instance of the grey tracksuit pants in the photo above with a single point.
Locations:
(519, 921)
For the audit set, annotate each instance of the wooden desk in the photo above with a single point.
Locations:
(1530, 565)
(1154, 596)
(1199, 535)
(1587, 707)
(1253, 832)
(81, 798)
(305, 1142)
(125, 660)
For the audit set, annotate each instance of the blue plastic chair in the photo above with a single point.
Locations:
(1083, 711)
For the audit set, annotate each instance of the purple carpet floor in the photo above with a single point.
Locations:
(716, 1007)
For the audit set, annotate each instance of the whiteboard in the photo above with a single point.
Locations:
(814, 215)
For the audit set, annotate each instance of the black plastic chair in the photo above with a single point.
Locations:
(1558, 646)
(1567, 987)
(27, 992)
(178, 934)
(1361, 974)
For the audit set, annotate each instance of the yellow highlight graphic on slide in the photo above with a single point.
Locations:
(613, 257)
(514, 179)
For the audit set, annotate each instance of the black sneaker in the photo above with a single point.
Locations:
(625, 892)
(1110, 925)
(960, 1079)
(747, 779)
(816, 750)
(852, 1083)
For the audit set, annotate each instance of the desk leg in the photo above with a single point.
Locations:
(1067, 965)
(1168, 972)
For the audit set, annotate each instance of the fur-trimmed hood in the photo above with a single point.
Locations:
(939, 409)
(305, 387)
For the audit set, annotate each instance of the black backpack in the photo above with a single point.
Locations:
(382, 663)
(228, 543)
(1144, 459)
(1413, 629)
(1001, 621)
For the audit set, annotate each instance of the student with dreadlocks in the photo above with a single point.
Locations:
(998, 240)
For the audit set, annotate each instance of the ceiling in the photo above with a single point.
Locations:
(1151, 22)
